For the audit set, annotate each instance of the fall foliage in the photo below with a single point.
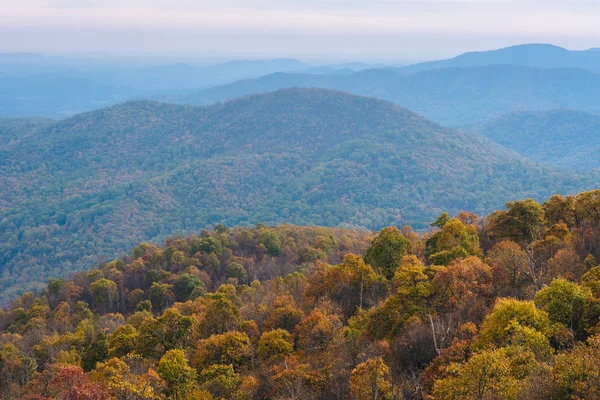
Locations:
(496, 308)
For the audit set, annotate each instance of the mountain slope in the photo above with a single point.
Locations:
(531, 55)
(563, 138)
(142, 171)
(452, 96)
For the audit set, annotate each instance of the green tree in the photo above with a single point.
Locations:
(188, 287)
(173, 368)
(161, 295)
(387, 250)
(104, 292)
(97, 351)
(454, 240)
(167, 332)
(566, 303)
(237, 271)
(523, 222)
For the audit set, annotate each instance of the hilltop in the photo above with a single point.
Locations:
(105, 180)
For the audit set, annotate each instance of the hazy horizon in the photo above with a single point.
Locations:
(382, 30)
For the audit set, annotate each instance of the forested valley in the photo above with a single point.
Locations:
(78, 192)
(501, 307)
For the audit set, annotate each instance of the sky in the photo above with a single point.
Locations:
(384, 30)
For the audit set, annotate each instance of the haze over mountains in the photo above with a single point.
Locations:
(531, 55)
(494, 87)
(34, 85)
(144, 170)
(450, 96)
(107, 179)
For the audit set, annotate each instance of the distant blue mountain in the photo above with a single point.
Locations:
(531, 55)
(450, 96)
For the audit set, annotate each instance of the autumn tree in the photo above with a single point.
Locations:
(371, 380)
(522, 222)
(454, 240)
(275, 344)
(173, 368)
(229, 348)
(167, 332)
(510, 268)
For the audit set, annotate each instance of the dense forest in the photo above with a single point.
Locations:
(563, 138)
(83, 190)
(505, 307)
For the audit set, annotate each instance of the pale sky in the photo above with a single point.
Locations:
(351, 29)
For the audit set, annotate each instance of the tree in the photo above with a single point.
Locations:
(65, 382)
(173, 368)
(371, 380)
(577, 372)
(237, 271)
(104, 292)
(188, 287)
(230, 348)
(317, 331)
(220, 316)
(96, 351)
(487, 375)
(274, 345)
(514, 322)
(271, 241)
(16, 369)
(462, 284)
(161, 295)
(509, 267)
(123, 341)
(283, 314)
(442, 220)
(454, 240)
(125, 385)
(169, 331)
(523, 222)
(387, 250)
(566, 303)
(591, 280)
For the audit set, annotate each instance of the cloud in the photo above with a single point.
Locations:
(323, 25)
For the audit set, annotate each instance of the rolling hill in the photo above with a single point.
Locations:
(450, 96)
(101, 181)
(563, 138)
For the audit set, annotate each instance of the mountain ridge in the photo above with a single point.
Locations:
(450, 96)
(540, 55)
(110, 178)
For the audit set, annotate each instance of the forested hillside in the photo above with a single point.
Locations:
(501, 308)
(89, 187)
(563, 138)
(450, 96)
